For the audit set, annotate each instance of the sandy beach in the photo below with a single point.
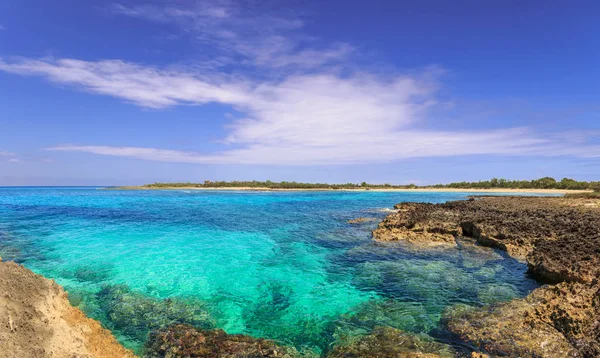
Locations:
(497, 190)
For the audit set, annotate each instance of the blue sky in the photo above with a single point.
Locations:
(105, 93)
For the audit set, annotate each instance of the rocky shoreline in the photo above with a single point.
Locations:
(38, 320)
(559, 238)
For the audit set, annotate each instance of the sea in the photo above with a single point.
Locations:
(286, 266)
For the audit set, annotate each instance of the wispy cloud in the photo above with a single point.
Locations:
(14, 160)
(132, 82)
(6, 154)
(247, 31)
(2, 27)
(304, 119)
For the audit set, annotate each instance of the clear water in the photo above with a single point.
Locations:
(279, 265)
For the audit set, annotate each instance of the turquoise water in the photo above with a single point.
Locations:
(279, 265)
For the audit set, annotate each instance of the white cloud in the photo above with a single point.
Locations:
(321, 118)
(145, 86)
(6, 154)
(2, 27)
(14, 160)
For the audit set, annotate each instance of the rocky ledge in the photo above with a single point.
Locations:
(39, 321)
(560, 240)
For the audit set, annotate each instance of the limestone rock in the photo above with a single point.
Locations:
(186, 341)
(39, 321)
(386, 342)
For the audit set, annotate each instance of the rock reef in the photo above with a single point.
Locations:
(182, 340)
(389, 342)
(361, 220)
(39, 321)
(560, 240)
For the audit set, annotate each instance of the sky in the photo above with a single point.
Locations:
(425, 92)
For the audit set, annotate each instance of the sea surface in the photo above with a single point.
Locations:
(280, 265)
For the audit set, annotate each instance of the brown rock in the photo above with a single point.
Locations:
(386, 342)
(419, 223)
(553, 321)
(559, 237)
(479, 355)
(39, 321)
(186, 341)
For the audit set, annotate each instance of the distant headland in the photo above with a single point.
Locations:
(542, 185)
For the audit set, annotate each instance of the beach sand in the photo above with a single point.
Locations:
(416, 190)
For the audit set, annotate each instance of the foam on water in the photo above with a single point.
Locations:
(280, 265)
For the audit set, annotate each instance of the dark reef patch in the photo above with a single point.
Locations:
(135, 314)
(186, 341)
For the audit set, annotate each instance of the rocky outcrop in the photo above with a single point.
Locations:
(39, 321)
(422, 224)
(508, 329)
(559, 238)
(553, 321)
(389, 342)
(186, 341)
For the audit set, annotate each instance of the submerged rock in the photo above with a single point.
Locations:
(135, 314)
(186, 341)
(560, 240)
(361, 220)
(420, 278)
(553, 321)
(38, 320)
(406, 316)
(389, 342)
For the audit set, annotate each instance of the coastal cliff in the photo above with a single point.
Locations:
(560, 240)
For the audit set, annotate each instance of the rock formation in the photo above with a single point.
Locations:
(559, 238)
(186, 341)
(389, 342)
(39, 321)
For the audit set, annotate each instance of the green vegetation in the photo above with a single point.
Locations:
(495, 183)
(542, 183)
(270, 185)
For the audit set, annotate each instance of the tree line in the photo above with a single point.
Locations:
(542, 183)
(494, 183)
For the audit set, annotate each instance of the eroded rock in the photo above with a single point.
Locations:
(389, 342)
(186, 341)
(39, 321)
(553, 321)
(559, 238)
(419, 223)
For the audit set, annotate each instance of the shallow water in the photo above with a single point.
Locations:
(279, 265)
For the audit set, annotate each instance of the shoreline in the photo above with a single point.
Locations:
(555, 236)
(416, 190)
